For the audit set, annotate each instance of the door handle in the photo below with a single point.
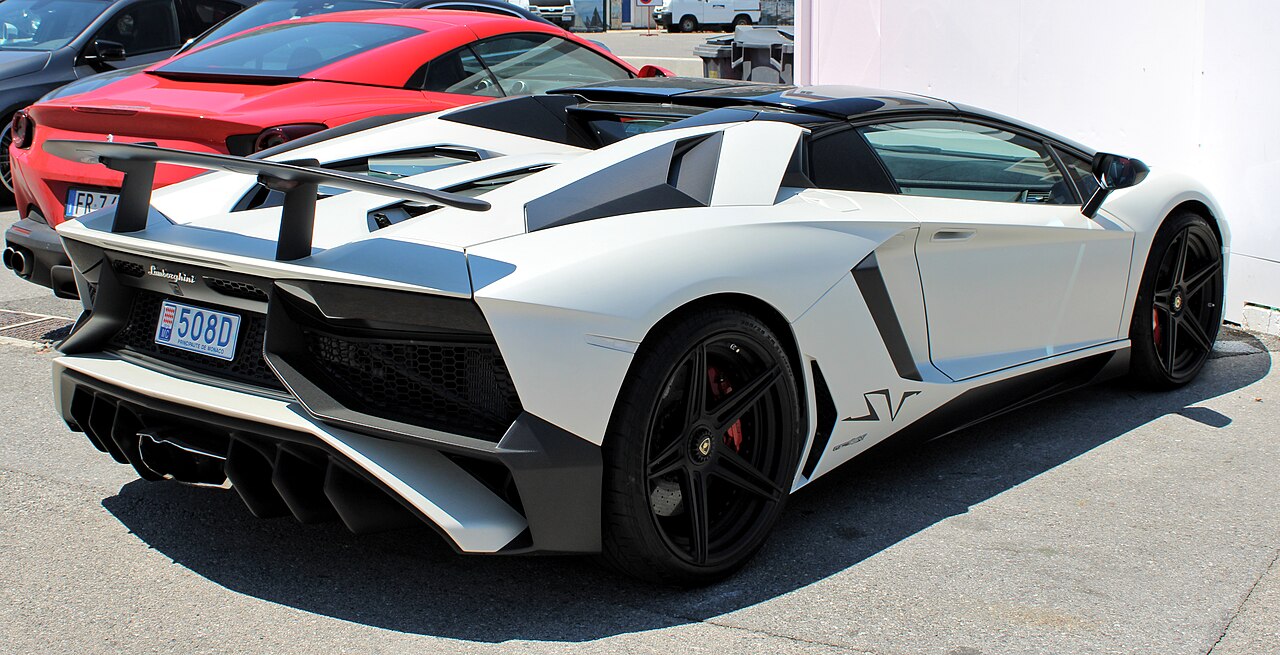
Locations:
(954, 235)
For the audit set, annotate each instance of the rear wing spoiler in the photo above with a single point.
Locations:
(299, 181)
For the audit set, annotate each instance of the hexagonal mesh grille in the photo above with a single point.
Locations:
(236, 289)
(138, 335)
(463, 388)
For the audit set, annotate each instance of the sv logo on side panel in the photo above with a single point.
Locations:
(874, 415)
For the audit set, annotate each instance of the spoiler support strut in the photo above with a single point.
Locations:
(299, 181)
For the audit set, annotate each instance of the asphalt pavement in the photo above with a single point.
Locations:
(673, 52)
(1107, 520)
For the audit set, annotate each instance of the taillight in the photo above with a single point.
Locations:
(22, 130)
(280, 134)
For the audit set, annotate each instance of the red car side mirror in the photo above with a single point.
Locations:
(649, 70)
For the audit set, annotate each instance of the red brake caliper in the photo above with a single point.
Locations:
(1155, 326)
(721, 387)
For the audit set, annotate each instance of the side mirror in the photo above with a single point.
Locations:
(102, 50)
(1113, 172)
(649, 70)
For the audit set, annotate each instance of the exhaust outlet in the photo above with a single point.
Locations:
(8, 258)
(166, 456)
(20, 263)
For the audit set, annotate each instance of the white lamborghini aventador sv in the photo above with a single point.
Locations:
(629, 318)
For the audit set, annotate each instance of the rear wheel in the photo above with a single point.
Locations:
(1179, 304)
(688, 24)
(701, 450)
(741, 19)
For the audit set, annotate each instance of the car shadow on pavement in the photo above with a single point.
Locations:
(412, 582)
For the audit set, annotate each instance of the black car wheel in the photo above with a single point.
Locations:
(688, 24)
(740, 20)
(6, 172)
(701, 451)
(1179, 306)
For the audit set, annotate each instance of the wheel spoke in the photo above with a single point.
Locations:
(1196, 332)
(1170, 345)
(736, 470)
(696, 399)
(668, 460)
(1197, 281)
(1163, 300)
(743, 399)
(695, 502)
(1180, 266)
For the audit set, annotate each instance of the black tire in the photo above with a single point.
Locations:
(1179, 304)
(6, 172)
(692, 489)
(740, 20)
(688, 24)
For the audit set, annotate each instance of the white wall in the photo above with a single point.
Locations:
(1189, 84)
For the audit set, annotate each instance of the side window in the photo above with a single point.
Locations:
(459, 71)
(954, 159)
(143, 28)
(200, 15)
(537, 63)
(842, 161)
(1080, 170)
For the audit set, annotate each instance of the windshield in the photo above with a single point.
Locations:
(45, 24)
(272, 11)
(286, 51)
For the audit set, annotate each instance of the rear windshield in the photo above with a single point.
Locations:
(272, 11)
(287, 51)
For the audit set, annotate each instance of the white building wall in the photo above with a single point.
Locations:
(1189, 84)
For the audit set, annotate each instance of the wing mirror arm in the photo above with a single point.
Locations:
(1112, 172)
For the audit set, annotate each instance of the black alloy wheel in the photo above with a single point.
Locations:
(702, 450)
(1179, 307)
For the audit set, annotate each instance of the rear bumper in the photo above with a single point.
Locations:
(41, 251)
(281, 460)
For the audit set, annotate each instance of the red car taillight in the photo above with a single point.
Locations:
(22, 130)
(274, 136)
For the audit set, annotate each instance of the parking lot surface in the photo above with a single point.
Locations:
(673, 52)
(1107, 520)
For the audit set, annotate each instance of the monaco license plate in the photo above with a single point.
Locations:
(81, 202)
(198, 330)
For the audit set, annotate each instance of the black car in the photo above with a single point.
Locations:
(45, 44)
(68, 46)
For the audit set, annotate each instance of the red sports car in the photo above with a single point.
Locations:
(284, 81)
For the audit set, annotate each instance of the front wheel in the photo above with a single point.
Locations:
(688, 24)
(6, 172)
(701, 450)
(1179, 304)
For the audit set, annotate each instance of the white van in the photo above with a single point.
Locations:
(690, 15)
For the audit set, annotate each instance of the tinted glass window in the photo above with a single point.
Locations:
(289, 50)
(1080, 170)
(457, 72)
(45, 24)
(203, 14)
(537, 63)
(953, 159)
(143, 28)
(842, 160)
(271, 11)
